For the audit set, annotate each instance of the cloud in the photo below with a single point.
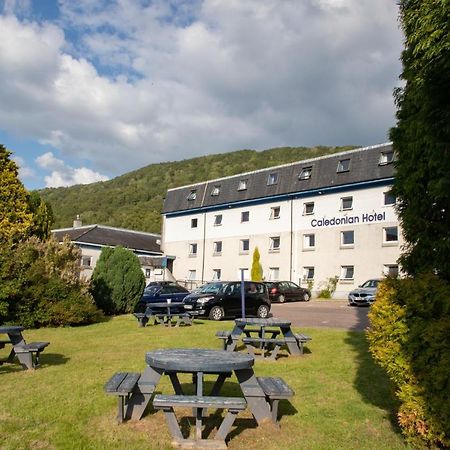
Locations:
(24, 170)
(64, 175)
(170, 80)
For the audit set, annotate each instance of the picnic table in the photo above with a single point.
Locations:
(165, 313)
(27, 354)
(269, 335)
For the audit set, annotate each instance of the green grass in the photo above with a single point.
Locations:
(342, 401)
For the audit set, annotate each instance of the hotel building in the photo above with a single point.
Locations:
(312, 220)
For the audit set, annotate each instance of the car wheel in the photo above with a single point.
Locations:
(263, 312)
(281, 299)
(216, 313)
(306, 297)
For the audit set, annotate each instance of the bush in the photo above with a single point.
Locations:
(117, 282)
(409, 337)
(330, 288)
(40, 286)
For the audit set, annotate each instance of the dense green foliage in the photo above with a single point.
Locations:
(42, 216)
(421, 137)
(410, 338)
(40, 285)
(257, 271)
(134, 200)
(117, 281)
(15, 217)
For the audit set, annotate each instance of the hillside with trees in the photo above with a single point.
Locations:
(135, 200)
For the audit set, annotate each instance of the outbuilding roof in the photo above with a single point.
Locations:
(368, 164)
(101, 235)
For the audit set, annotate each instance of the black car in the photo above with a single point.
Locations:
(161, 291)
(287, 291)
(220, 299)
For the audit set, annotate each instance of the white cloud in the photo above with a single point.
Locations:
(24, 170)
(216, 77)
(64, 175)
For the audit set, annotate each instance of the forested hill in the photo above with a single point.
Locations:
(134, 200)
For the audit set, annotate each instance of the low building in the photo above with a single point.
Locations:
(90, 239)
(312, 220)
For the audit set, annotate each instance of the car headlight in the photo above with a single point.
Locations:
(204, 300)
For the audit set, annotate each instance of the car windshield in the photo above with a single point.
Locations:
(210, 288)
(149, 290)
(370, 284)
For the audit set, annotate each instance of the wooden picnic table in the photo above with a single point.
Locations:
(164, 312)
(20, 348)
(270, 333)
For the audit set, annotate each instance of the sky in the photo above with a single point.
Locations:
(92, 89)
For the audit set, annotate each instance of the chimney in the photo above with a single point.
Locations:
(77, 222)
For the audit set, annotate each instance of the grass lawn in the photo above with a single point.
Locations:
(342, 401)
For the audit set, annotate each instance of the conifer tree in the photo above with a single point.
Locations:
(257, 272)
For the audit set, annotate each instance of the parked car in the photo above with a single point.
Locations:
(365, 293)
(161, 291)
(287, 291)
(220, 299)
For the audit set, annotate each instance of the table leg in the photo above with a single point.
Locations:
(254, 395)
(199, 411)
(291, 342)
(139, 400)
(234, 337)
(176, 383)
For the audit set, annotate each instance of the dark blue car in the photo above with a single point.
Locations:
(160, 292)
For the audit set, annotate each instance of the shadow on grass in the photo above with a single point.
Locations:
(52, 359)
(371, 381)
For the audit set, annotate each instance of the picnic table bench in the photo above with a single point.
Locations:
(27, 354)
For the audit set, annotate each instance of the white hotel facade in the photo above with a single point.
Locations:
(311, 220)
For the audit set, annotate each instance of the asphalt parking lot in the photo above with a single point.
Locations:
(323, 313)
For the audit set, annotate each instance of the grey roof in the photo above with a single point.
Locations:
(108, 236)
(364, 167)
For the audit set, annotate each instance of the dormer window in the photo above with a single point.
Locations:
(343, 165)
(242, 185)
(272, 178)
(216, 191)
(386, 157)
(192, 195)
(305, 174)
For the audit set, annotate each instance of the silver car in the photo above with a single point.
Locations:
(364, 294)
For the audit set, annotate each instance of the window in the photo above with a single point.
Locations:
(389, 198)
(305, 173)
(386, 157)
(242, 185)
(343, 165)
(215, 191)
(217, 247)
(308, 208)
(192, 275)
(86, 261)
(192, 249)
(194, 223)
(216, 274)
(272, 178)
(274, 273)
(192, 195)
(275, 212)
(309, 241)
(347, 238)
(245, 216)
(346, 203)
(147, 273)
(347, 272)
(218, 220)
(244, 246)
(308, 273)
(274, 244)
(391, 270)
(390, 234)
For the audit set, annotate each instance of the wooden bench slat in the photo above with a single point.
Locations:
(275, 387)
(114, 382)
(194, 401)
(258, 340)
(129, 382)
(301, 337)
(31, 347)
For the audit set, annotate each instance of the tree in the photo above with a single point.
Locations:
(421, 138)
(15, 217)
(257, 271)
(42, 215)
(117, 282)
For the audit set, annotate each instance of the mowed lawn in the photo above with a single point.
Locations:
(342, 401)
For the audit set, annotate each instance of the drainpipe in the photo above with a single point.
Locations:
(203, 246)
(291, 240)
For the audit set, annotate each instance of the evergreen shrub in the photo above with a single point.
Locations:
(409, 337)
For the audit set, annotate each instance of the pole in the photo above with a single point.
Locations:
(242, 294)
